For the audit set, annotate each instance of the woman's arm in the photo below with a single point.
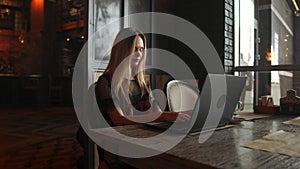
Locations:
(118, 118)
(171, 116)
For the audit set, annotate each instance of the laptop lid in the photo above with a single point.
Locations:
(215, 106)
(217, 102)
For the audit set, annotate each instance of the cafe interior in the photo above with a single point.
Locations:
(43, 42)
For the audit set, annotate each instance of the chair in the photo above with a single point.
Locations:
(181, 95)
(93, 155)
(55, 94)
(31, 90)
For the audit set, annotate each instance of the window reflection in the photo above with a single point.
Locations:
(282, 33)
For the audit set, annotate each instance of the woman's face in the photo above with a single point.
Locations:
(138, 51)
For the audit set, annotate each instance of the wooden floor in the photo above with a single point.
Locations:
(42, 138)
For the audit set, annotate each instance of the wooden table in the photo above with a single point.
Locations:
(222, 150)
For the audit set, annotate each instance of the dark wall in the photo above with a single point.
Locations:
(296, 79)
(208, 16)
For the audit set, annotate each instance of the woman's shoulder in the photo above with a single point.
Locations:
(103, 80)
(103, 88)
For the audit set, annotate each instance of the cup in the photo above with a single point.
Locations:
(264, 100)
(270, 102)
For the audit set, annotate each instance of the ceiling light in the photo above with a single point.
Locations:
(295, 5)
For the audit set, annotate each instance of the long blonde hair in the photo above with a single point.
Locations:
(119, 68)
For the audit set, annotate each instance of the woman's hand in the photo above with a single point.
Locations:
(189, 112)
(173, 116)
(183, 117)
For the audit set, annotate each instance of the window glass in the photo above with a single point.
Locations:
(246, 33)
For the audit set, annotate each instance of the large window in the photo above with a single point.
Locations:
(264, 49)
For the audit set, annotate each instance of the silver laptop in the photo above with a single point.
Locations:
(214, 107)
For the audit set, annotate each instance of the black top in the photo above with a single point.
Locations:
(105, 102)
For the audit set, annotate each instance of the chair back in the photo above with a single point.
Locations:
(181, 95)
(31, 82)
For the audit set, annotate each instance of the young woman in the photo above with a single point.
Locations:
(122, 92)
